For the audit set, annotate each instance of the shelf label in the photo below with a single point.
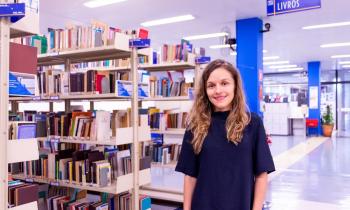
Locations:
(203, 60)
(54, 97)
(36, 98)
(29, 180)
(191, 93)
(15, 11)
(140, 43)
(55, 183)
(276, 7)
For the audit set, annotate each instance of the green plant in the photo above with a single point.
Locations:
(327, 117)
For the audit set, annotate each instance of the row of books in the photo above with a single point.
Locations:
(165, 154)
(162, 120)
(87, 167)
(175, 53)
(93, 125)
(20, 193)
(54, 81)
(123, 202)
(165, 87)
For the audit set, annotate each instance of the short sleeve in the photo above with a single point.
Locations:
(263, 161)
(188, 160)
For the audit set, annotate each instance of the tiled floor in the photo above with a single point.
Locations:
(314, 173)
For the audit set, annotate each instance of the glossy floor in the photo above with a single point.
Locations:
(312, 173)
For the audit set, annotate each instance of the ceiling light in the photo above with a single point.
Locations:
(344, 44)
(220, 46)
(343, 62)
(283, 66)
(275, 63)
(205, 36)
(233, 53)
(167, 20)
(264, 51)
(291, 69)
(271, 58)
(101, 3)
(346, 66)
(341, 56)
(330, 25)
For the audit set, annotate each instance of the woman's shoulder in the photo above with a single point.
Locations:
(255, 119)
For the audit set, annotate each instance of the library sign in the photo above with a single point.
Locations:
(277, 7)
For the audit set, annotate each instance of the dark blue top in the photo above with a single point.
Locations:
(225, 172)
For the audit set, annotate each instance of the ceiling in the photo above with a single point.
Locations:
(286, 38)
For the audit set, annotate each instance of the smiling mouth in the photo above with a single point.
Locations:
(219, 98)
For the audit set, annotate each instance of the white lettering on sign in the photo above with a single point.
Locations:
(294, 4)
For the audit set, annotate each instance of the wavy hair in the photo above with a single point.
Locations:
(200, 115)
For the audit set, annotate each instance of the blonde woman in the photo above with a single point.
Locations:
(224, 155)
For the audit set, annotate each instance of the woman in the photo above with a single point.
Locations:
(224, 155)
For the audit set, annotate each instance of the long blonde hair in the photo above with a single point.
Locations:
(200, 115)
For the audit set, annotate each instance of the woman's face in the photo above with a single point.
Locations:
(220, 89)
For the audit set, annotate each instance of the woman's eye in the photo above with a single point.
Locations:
(224, 83)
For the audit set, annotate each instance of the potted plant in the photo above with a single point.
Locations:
(327, 122)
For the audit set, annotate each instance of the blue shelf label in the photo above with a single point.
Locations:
(191, 93)
(140, 43)
(15, 11)
(203, 60)
(276, 7)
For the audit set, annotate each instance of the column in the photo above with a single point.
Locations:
(314, 94)
(249, 60)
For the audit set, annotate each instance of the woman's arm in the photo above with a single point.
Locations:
(260, 191)
(189, 184)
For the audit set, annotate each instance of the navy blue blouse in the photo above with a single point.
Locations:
(225, 172)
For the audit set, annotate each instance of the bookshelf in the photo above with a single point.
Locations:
(131, 135)
(28, 25)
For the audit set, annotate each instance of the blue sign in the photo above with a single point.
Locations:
(203, 60)
(276, 7)
(140, 43)
(15, 11)
(16, 88)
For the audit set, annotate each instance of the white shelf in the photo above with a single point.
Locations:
(119, 50)
(27, 206)
(123, 68)
(28, 25)
(176, 98)
(167, 66)
(171, 131)
(161, 165)
(22, 150)
(124, 136)
(76, 96)
(122, 184)
(163, 195)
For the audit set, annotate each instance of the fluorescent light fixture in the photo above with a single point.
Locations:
(341, 56)
(283, 66)
(167, 20)
(329, 25)
(270, 58)
(220, 46)
(343, 44)
(100, 3)
(275, 63)
(343, 62)
(291, 69)
(205, 36)
(233, 53)
(264, 51)
(346, 66)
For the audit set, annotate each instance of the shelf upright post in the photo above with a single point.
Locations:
(135, 125)
(67, 69)
(4, 103)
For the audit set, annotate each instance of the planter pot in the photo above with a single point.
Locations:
(327, 130)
